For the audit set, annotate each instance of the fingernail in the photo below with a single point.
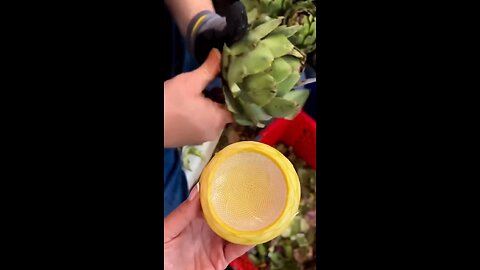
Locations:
(213, 56)
(194, 193)
(215, 52)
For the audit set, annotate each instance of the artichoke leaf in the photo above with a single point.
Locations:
(239, 119)
(249, 112)
(299, 97)
(235, 90)
(225, 59)
(252, 15)
(260, 88)
(261, 31)
(286, 31)
(256, 61)
(280, 107)
(282, 68)
(288, 84)
(232, 104)
(279, 45)
(261, 96)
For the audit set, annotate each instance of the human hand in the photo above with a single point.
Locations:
(209, 30)
(190, 117)
(189, 242)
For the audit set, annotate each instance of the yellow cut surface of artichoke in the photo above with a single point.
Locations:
(250, 193)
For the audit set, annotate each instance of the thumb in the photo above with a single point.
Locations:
(208, 71)
(181, 217)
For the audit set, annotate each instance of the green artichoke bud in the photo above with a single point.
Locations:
(303, 14)
(259, 73)
(275, 8)
(257, 9)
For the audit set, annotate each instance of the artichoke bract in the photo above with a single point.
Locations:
(252, 9)
(270, 8)
(259, 73)
(303, 13)
(275, 8)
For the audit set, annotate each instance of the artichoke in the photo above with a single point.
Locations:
(265, 8)
(303, 13)
(259, 73)
(275, 8)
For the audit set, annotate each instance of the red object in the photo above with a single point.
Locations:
(243, 263)
(300, 133)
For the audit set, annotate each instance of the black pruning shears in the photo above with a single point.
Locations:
(236, 16)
